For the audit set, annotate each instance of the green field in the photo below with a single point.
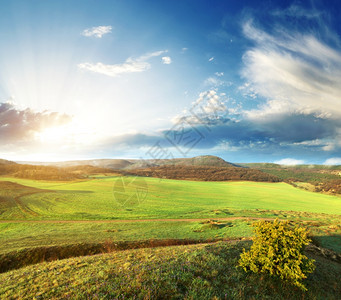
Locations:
(42, 213)
(44, 220)
(94, 200)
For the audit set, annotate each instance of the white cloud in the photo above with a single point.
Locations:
(205, 109)
(131, 65)
(289, 162)
(184, 49)
(166, 60)
(211, 59)
(97, 32)
(293, 69)
(219, 74)
(333, 161)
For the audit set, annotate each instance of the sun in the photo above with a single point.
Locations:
(61, 142)
(54, 135)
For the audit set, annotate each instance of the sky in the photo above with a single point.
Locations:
(249, 81)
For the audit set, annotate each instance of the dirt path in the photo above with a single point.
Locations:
(24, 208)
(136, 220)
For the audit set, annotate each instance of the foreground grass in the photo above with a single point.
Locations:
(179, 272)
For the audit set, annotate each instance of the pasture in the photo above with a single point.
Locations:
(45, 213)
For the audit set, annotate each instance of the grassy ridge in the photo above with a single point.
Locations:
(181, 272)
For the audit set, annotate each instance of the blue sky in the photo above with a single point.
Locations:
(247, 81)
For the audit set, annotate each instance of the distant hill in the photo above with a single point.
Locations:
(204, 161)
(39, 172)
(125, 164)
(116, 164)
(203, 173)
(323, 178)
(206, 168)
(6, 162)
(305, 173)
(297, 167)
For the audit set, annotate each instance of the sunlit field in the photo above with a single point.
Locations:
(43, 213)
(94, 200)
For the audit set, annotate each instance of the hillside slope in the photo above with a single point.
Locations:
(322, 178)
(6, 162)
(40, 172)
(206, 271)
(204, 173)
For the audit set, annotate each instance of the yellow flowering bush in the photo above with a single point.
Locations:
(277, 250)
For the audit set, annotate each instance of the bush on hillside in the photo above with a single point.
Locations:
(277, 250)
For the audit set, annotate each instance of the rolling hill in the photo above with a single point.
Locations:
(203, 173)
(123, 164)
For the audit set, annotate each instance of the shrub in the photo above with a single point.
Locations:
(277, 250)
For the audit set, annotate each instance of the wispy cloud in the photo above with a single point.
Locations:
(297, 11)
(96, 32)
(217, 80)
(296, 68)
(299, 75)
(131, 65)
(166, 60)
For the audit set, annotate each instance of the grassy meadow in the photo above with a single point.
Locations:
(94, 200)
(86, 213)
(86, 210)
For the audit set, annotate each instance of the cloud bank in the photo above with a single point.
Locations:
(17, 126)
(289, 162)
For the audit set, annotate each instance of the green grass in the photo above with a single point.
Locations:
(94, 200)
(17, 236)
(181, 272)
(46, 214)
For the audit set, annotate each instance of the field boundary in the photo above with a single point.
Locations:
(140, 220)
